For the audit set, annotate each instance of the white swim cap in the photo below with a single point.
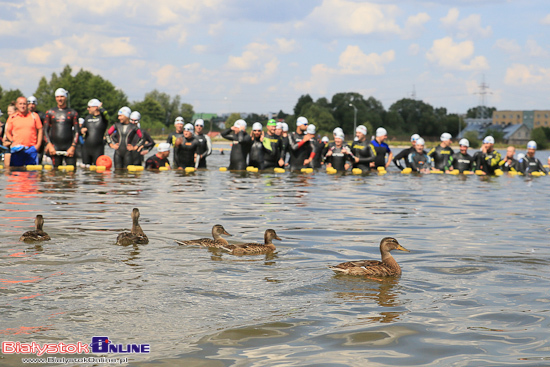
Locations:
(420, 141)
(189, 127)
(163, 147)
(521, 156)
(126, 111)
(336, 130)
(179, 120)
(414, 137)
(325, 139)
(135, 116)
(61, 92)
(199, 122)
(240, 123)
(311, 129)
(489, 140)
(381, 132)
(464, 142)
(94, 103)
(257, 126)
(361, 129)
(532, 145)
(279, 125)
(301, 121)
(445, 136)
(339, 135)
(32, 99)
(80, 120)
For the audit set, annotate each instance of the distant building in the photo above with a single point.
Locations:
(533, 119)
(512, 133)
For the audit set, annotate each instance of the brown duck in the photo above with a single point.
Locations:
(385, 268)
(255, 248)
(216, 241)
(136, 236)
(38, 234)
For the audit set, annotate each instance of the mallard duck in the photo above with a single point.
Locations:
(255, 248)
(385, 268)
(38, 234)
(217, 241)
(136, 236)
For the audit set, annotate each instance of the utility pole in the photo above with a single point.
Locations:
(483, 91)
(354, 117)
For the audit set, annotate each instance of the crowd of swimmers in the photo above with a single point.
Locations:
(29, 137)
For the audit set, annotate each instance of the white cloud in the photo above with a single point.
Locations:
(354, 61)
(534, 50)
(414, 49)
(286, 45)
(546, 20)
(469, 27)
(519, 74)
(455, 56)
(414, 26)
(342, 17)
(508, 45)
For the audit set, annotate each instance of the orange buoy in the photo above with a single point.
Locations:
(104, 160)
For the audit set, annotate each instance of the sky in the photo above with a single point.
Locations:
(261, 56)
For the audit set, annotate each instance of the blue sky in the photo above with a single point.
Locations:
(260, 56)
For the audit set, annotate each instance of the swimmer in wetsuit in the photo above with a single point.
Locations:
(93, 132)
(186, 148)
(509, 163)
(461, 160)
(442, 153)
(240, 147)
(61, 131)
(487, 159)
(256, 157)
(404, 154)
(140, 142)
(363, 157)
(529, 163)
(299, 147)
(321, 149)
(173, 136)
(160, 159)
(339, 153)
(274, 153)
(118, 137)
(205, 144)
(379, 149)
(419, 161)
(282, 130)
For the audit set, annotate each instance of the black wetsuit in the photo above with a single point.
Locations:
(94, 144)
(172, 137)
(140, 138)
(256, 156)
(205, 148)
(184, 154)
(42, 116)
(404, 154)
(362, 150)
(321, 150)
(505, 166)
(337, 159)
(529, 165)
(155, 162)
(462, 162)
(61, 128)
(487, 162)
(379, 151)
(273, 151)
(121, 134)
(441, 157)
(419, 161)
(240, 148)
(299, 150)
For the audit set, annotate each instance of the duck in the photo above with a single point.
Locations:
(38, 234)
(134, 237)
(385, 268)
(216, 241)
(255, 248)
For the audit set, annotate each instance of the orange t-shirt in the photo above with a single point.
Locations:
(24, 129)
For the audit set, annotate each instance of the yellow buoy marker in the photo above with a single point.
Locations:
(189, 169)
(163, 168)
(306, 170)
(454, 172)
(357, 171)
(1, 167)
(34, 167)
(66, 168)
(93, 167)
(251, 169)
(537, 174)
(467, 173)
(407, 170)
(279, 170)
(479, 172)
(48, 167)
(498, 172)
(223, 169)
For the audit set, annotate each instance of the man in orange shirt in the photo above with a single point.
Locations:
(24, 131)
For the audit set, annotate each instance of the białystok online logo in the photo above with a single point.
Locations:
(99, 344)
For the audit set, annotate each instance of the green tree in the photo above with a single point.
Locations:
(186, 111)
(370, 110)
(539, 136)
(151, 109)
(282, 115)
(231, 119)
(498, 135)
(480, 111)
(302, 101)
(6, 98)
(472, 138)
(320, 116)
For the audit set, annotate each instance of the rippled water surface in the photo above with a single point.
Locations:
(474, 289)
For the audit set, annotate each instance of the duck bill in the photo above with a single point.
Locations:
(277, 238)
(227, 234)
(402, 248)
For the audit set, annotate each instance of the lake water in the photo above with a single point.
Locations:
(474, 289)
